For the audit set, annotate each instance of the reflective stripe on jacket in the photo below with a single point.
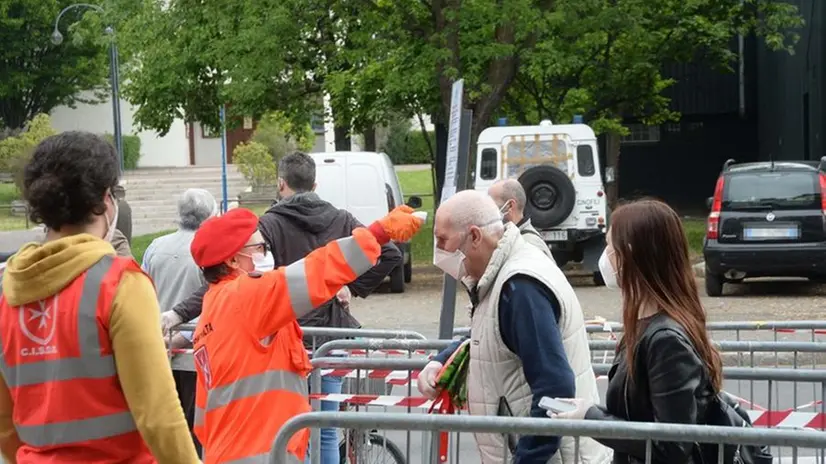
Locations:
(251, 363)
(58, 363)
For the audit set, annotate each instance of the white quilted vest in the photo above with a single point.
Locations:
(497, 372)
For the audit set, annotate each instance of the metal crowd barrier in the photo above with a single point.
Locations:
(810, 328)
(400, 373)
(648, 432)
(377, 366)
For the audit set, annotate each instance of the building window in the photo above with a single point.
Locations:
(640, 133)
(672, 128)
(317, 123)
(209, 133)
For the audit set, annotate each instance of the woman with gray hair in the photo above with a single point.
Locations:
(169, 262)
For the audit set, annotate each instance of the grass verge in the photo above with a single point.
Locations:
(420, 183)
(141, 242)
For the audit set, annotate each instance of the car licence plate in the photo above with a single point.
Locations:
(788, 233)
(554, 235)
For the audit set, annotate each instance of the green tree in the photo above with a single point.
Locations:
(38, 76)
(276, 132)
(176, 73)
(16, 151)
(604, 58)
(601, 58)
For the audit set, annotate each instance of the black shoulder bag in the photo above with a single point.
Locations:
(725, 411)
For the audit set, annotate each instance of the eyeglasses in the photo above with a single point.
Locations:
(260, 247)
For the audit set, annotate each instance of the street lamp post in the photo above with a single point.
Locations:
(57, 39)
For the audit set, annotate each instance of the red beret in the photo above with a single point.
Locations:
(221, 238)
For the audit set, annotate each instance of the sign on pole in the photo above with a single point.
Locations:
(455, 178)
(454, 127)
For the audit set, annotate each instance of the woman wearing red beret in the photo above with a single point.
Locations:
(249, 355)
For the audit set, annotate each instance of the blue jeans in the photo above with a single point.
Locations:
(329, 437)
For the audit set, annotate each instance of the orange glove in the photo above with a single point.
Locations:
(399, 225)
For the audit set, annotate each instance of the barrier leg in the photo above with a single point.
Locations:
(315, 433)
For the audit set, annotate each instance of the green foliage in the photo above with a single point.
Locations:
(176, 75)
(407, 145)
(15, 151)
(39, 75)
(526, 59)
(605, 61)
(131, 150)
(282, 136)
(256, 164)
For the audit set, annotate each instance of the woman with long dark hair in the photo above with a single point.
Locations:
(666, 368)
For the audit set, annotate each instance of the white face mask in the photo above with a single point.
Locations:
(609, 274)
(503, 211)
(110, 231)
(263, 262)
(453, 264)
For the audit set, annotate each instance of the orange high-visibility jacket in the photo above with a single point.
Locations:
(248, 350)
(59, 367)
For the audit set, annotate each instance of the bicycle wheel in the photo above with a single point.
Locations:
(378, 449)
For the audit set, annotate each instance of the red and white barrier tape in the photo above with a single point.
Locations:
(815, 331)
(760, 418)
(352, 353)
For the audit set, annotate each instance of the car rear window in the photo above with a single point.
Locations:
(524, 154)
(798, 190)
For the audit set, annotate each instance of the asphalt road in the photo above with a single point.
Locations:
(11, 240)
(419, 307)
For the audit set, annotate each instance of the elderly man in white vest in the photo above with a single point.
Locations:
(528, 331)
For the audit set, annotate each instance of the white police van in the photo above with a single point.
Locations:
(558, 166)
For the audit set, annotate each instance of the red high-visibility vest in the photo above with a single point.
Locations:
(249, 354)
(59, 366)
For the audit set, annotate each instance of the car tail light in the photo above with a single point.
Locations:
(823, 192)
(717, 204)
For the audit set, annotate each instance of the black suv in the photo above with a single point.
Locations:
(767, 219)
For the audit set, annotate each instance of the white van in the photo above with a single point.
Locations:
(366, 185)
(558, 165)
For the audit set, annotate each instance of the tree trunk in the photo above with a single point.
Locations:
(370, 138)
(612, 158)
(343, 142)
(441, 130)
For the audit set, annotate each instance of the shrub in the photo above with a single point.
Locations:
(15, 151)
(406, 145)
(281, 136)
(256, 164)
(131, 150)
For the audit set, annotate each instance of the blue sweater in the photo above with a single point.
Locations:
(528, 316)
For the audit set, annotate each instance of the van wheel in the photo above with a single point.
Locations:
(408, 271)
(397, 280)
(714, 284)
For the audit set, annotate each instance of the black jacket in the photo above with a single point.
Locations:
(292, 229)
(671, 384)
